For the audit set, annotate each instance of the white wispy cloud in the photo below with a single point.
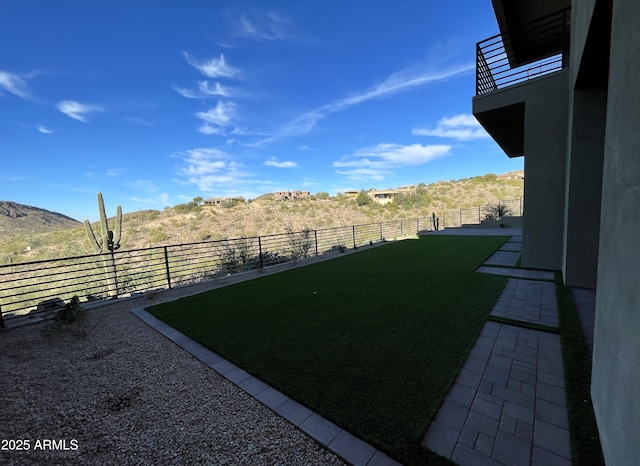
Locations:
(461, 127)
(377, 162)
(162, 199)
(44, 129)
(210, 168)
(206, 90)
(115, 171)
(151, 190)
(273, 162)
(400, 81)
(220, 115)
(265, 27)
(14, 84)
(207, 128)
(214, 67)
(77, 110)
(143, 185)
(304, 147)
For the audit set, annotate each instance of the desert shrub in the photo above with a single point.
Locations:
(300, 242)
(364, 199)
(237, 256)
(272, 258)
(497, 212)
(156, 236)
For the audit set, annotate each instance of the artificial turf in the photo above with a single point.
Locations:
(371, 341)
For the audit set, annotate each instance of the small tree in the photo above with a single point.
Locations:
(363, 199)
(322, 195)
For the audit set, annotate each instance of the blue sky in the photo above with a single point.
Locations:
(155, 103)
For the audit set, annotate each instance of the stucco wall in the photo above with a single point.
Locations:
(546, 103)
(616, 357)
(546, 119)
(580, 20)
(587, 118)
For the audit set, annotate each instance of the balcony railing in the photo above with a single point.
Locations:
(536, 49)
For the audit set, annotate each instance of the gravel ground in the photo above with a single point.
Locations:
(117, 392)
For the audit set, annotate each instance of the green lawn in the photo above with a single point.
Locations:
(372, 341)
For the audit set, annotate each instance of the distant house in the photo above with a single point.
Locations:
(291, 195)
(384, 196)
(511, 176)
(218, 201)
(351, 194)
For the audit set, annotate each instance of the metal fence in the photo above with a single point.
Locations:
(475, 215)
(535, 49)
(43, 286)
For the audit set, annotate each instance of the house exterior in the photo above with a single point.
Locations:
(291, 195)
(384, 196)
(559, 86)
(218, 201)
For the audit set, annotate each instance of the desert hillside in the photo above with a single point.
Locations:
(20, 219)
(190, 222)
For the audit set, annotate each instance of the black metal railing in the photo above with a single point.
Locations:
(536, 49)
(25, 287)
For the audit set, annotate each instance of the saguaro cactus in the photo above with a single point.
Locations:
(107, 243)
(436, 221)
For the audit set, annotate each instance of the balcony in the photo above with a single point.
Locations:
(533, 50)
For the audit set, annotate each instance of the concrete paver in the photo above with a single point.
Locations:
(511, 246)
(505, 258)
(515, 415)
(517, 273)
(528, 301)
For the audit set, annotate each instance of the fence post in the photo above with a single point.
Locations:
(381, 238)
(260, 251)
(1, 318)
(401, 229)
(354, 236)
(444, 220)
(479, 221)
(166, 265)
(460, 217)
(315, 235)
(417, 225)
(520, 206)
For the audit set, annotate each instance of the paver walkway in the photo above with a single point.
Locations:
(512, 246)
(505, 258)
(528, 301)
(507, 406)
(517, 273)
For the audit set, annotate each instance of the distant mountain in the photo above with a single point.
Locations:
(23, 219)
